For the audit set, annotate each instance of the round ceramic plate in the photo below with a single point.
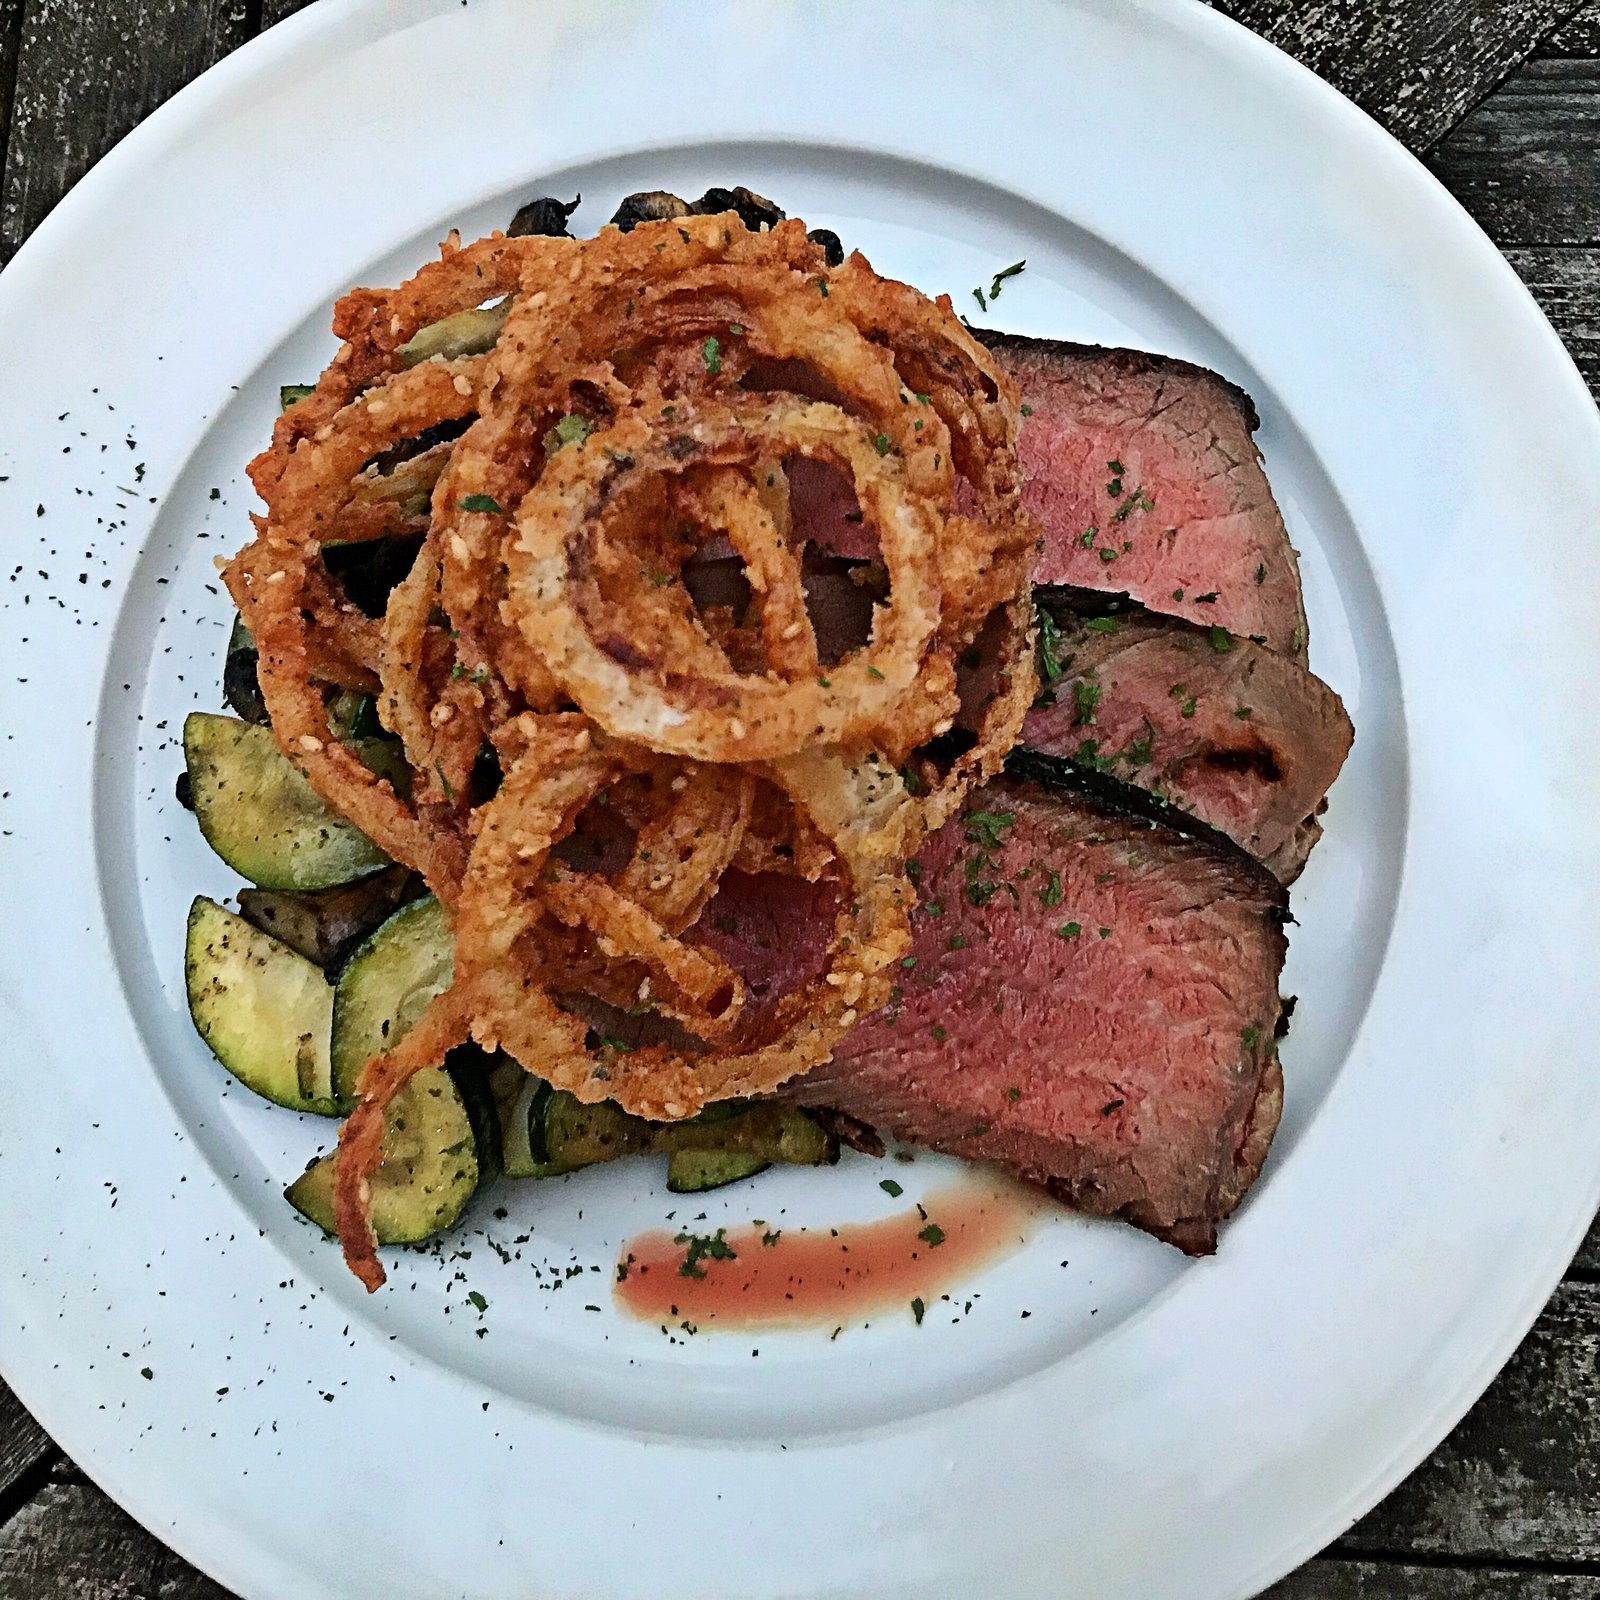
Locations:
(1093, 1415)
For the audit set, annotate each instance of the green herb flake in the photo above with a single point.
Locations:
(881, 444)
(1051, 665)
(481, 502)
(1102, 624)
(703, 1246)
(1110, 1106)
(890, 1188)
(1001, 276)
(908, 962)
(1087, 538)
(1187, 708)
(1105, 933)
(940, 1034)
(933, 1233)
(986, 827)
(1013, 1093)
(477, 1300)
(1243, 713)
(1050, 895)
(711, 350)
(872, 672)
(1221, 639)
(983, 305)
(1085, 700)
(918, 1310)
(1249, 1035)
(1027, 410)
(1069, 930)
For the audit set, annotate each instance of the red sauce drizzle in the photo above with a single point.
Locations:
(776, 1275)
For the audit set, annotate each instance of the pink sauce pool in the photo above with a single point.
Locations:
(765, 1276)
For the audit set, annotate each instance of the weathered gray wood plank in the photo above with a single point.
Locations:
(1520, 1478)
(1566, 283)
(71, 1543)
(276, 10)
(1526, 163)
(1365, 1580)
(1416, 67)
(86, 73)
(23, 1443)
(1578, 36)
(10, 36)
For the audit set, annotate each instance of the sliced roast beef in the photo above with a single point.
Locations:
(1091, 1001)
(1244, 739)
(1143, 476)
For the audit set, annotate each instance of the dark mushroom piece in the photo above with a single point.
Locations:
(832, 246)
(649, 205)
(755, 211)
(325, 925)
(545, 217)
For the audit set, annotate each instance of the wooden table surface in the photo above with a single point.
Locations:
(1502, 99)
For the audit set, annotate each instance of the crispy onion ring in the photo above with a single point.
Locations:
(565, 452)
(650, 691)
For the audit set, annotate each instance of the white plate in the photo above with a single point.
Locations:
(1155, 1428)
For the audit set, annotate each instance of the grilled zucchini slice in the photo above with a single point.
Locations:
(440, 1140)
(695, 1171)
(386, 985)
(262, 817)
(264, 1010)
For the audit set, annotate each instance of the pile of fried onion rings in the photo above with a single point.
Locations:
(581, 421)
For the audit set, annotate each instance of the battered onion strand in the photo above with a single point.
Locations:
(571, 456)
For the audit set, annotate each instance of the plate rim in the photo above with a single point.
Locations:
(279, 43)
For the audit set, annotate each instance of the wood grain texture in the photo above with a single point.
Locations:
(1366, 1580)
(72, 1543)
(87, 71)
(1520, 1478)
(1526, 163)
(24, 1445)
(276, 10)
(1566, 283)
(1578, 36)
(1415, 66)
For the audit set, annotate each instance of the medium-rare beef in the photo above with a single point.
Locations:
(1237, 736)
(1091, 1000)
(1143, 476)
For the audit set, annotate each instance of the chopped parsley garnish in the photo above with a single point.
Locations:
(872, 672)
(483, 502)
(1102, 624)
(933, 1233)
(1105, 933)
(1116, 467)
(940, 1034)
(1205, 599)
(1221, 639)
(1187, 708)
(1027, 410)
(1001, 276)
(477, 1300)
(890, 1188)
(712, 351)
(1050, 895)
(918, 1310)
(1242, 713)
(983, 305)
(702, 1246)
(985, 827)
(1051, 665)
(1250, 1035)
(1137, 501)
(881, 443)
(1110, 1106)
(1085, 700)
(1087, 538)
(908, 962)
(444, 783)
(1069, 930)
(957, 941)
